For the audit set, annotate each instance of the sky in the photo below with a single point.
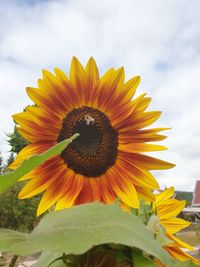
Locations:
(156, 39)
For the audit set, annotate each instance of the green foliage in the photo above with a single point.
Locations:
(21, 214)
(4, 167)
(16, 141)
(18, 214)
(14, 213)
(10, 160)
(144, 212)
(183, 195)
(80, 228)
(8, 179)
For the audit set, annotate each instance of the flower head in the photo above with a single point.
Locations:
(106, 160)
(167, 208)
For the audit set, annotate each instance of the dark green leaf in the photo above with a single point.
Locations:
(139, 260)
(121, 256)
(8, 179)
(58, 263)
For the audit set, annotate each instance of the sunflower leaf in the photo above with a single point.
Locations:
(121, 256)
(8, 179)
(10, 237)
(139, 260)
(47, 258)
(78, 229)
(59, 263)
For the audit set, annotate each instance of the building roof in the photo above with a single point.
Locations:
(196, 195)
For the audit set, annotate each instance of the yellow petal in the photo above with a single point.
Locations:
(179, 242)
(180, 255)
(174, 225)
(170, 208)
(140, 147)
(29, 175)
(48, 173)
(71, 194)
(107, 194)
(62, 77)
(123, 188)
(77, 73)
(164, 195)
(53, 193)
(78, 80)
(136, 102)
(147, 135)
(125, 207)
(130, 87)
(150, 163)
(147, 118)
(31, 149)
(145, 194)
(92, 72)
(139, 175)
(95, 188)
(144, 103)
(109, 89)
(140, 121)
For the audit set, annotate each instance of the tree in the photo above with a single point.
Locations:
(16, 141)
(1, 164)
(10, 160)
(18, 214)
(14, 213)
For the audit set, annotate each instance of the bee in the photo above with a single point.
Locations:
(89, 120)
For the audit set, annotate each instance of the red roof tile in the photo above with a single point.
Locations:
(196, 197)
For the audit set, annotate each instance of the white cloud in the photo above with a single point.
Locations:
(157, 39)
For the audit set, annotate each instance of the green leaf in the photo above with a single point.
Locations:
(8, 179)
(139, 260)
(76, 230)
(158, 231)
(52, 259)
(58, 263)
(9, 237)
(121, 256)
(47, 258)
(145, 211)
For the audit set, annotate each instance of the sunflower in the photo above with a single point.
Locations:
(105, 161)
(167, 209)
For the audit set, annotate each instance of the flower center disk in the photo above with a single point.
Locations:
(95, 150)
